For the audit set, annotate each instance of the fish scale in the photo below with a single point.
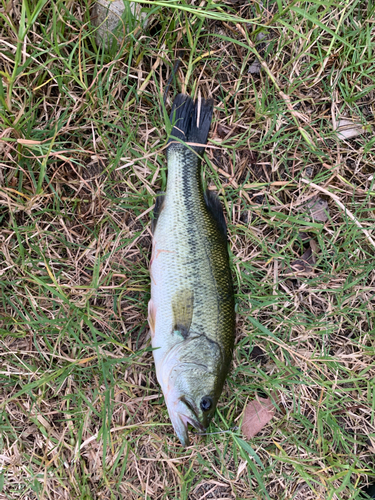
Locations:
(191, 311)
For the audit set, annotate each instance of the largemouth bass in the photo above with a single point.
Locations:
(191, 311)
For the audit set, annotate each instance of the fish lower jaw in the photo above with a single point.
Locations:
(194, 423)
(180, 424)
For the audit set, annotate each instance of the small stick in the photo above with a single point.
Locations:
(173, 74)
(343, 207)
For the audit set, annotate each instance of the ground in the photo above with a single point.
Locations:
(82, 141)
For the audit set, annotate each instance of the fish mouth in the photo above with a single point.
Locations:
(182, 418)
(188, 420)
(180, 424)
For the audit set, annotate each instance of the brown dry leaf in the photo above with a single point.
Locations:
(255, 67)
(223, 131)
(317, 209)
(314, 247)
(257, 415)
(347, 129)
(303, 236)
(257, 354)
(306, 262)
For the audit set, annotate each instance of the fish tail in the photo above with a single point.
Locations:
(191, 121)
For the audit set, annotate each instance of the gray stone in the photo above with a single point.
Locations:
(111, 19)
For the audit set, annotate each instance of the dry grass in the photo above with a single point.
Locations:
(82, 156)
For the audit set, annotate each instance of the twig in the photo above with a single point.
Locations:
(173, 74)
(343, 207)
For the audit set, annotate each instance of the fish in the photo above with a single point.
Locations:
(191, 312)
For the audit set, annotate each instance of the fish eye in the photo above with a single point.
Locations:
(206, 403)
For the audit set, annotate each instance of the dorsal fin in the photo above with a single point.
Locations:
(215, 208)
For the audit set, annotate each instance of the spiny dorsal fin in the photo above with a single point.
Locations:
(215, 208)
(157, 209)
(182, 308)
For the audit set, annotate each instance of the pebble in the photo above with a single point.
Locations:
(110, 18)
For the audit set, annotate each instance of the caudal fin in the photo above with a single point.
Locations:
(191, 121)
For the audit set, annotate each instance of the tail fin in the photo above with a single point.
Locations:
(191, 121)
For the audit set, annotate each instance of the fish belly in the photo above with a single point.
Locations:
(179, 270)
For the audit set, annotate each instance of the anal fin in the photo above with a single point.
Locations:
(182, 308)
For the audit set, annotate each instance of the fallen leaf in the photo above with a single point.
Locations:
(306, 262)
(306, 353)
(303, 236)
(257, 415)
(254, 67)
(257, 354)
(314, 247)
(223, 131)
(347, 129)
(309, 172)
(317, 209)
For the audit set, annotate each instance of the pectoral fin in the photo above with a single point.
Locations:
(182, 307)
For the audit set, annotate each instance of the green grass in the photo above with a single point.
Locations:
(82, 133)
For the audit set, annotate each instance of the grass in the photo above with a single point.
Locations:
(81, 139)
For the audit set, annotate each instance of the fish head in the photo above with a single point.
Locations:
(191, 400)
(192, 382)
